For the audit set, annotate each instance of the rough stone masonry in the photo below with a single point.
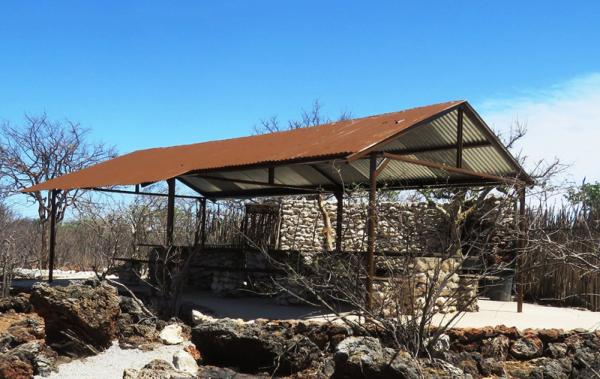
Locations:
(415, 232)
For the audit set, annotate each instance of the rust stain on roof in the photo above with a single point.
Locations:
(342, 138)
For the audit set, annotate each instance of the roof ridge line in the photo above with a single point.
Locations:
(328, 124)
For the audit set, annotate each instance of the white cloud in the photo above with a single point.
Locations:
(562, 121)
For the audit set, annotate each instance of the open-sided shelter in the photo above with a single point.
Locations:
(440, 145)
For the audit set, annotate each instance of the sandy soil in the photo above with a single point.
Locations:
(37, 274)
(111, 363)
(491, 313)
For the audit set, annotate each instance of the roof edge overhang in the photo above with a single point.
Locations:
(491, 136)
(347, 157)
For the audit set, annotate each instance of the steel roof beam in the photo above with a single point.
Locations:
(455, 170)
(435, 149)
(254, 182)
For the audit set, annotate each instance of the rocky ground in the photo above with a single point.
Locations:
(306, 350)
(56, 327)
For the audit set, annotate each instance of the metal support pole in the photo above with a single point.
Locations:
(170, 211)
(459, 139)
(521, 249)
(271, 175)
(339, 221)
(203, 240)
(52, 234)
(372, 224)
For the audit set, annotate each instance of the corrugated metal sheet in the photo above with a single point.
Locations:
(439, 132)
(295, 154)
(336, 139)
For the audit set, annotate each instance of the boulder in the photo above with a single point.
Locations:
(13, 367)
(130, 306)
(527, 347)
(536, 368)
(556, 350)
(358, 357)
(586, 364)
(438, 368)
(253, 348)
(492, 367)
(143, 335)
(184, 361)
(467, 362)
(19, 303)
(80, 320)
(157, 369)
(550, 335)
(511, 332)
(214, 372)
(171, 334)
(496, 347)
(20, 328)
(201, 318)
(42, 358)
(574, 342)
(440, 346)
(22, 346)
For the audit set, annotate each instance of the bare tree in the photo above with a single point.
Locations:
(16, 241)
(311, 117)
(39, 150)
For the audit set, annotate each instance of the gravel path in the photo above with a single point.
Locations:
(111, 363)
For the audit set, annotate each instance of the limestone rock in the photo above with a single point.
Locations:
(171, 334)
(357, 357)
(184, 361)
(438, 368)
(80, 320)
(556, 350)
(200, 318)
(527, 347)
(157, 369)
(496, 347)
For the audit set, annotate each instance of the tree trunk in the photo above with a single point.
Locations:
(327, 229)
(44, 245)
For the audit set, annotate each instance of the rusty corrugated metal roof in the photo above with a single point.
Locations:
(338, 139)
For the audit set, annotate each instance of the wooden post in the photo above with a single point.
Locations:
(459, 139)
(372, 225)
(170, 212)
(52, 235)
(521, 249)
(339, 220)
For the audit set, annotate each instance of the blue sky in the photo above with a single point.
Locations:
(143, 74)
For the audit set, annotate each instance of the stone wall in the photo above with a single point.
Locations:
(407, 294)
(411, 237)
(412, 228)
(416, 229)
(230, 271)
